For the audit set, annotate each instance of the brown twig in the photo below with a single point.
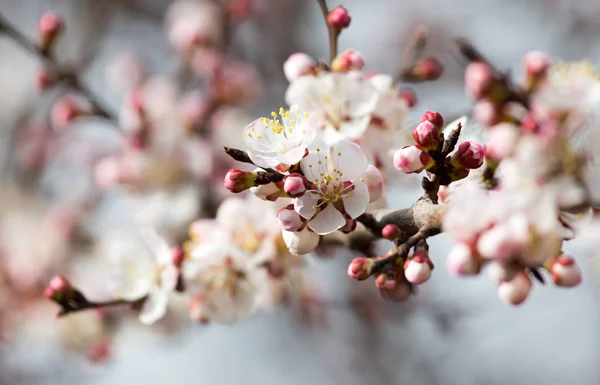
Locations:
(412, 51)
(333, 33)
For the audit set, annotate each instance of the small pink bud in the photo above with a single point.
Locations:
(428, 68)
(536, 63)
(178, 256)
(462, 261)
(349, 60)
(359, 268)
(409, 97)
(516, 291)
(295, 185)
(289, 219)
(478, 79)
(503, 273)
(502, 139)
(385, 282)
(297, 65)
(64, 111)
(411, 159)
(469, 155)
(390, 232)
(49, 26)
(417, 269)
(486, 112)
(238, 180)
(400, 293)
(45, 78)
(374, 181)
(57, 285)
(565, 272)
(433, 117)
(427, 135)
(339, 18)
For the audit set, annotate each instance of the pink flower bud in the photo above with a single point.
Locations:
(390, 232)
(49, 27)
(374, 181)
(462, 261)
(400, 293)
(501, 142)
(339, 18)
(238, 180)
(469, 155)
(301, 242)
(516, 291)
(428, 68)
(536, 63)
(433, 117)
(178, 256)
(289, 219)
(57, 285)
(565, 272)
(503, 273)
(349, 60)
(427, 134)
(64, 111)
(45, 78)
(417, 269)
(409, 97)
(297, 65)
(411, 159)
(478, 79)
(385, 282)
(359, 268)
(486, 112)
(295, 185)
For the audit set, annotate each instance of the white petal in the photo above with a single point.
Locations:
(300, 242)
(292, 156)
(310, 164)
(327, 221)
(155, 307)
(263, 161)
(350, 160)
(357, 200)
(156, 245)
(305, 205)
(355, 127)
(382, 82)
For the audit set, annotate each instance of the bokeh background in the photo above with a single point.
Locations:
(454, 332)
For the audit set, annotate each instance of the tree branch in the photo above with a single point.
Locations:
(333, 33)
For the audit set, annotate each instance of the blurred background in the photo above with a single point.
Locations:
(454, 332)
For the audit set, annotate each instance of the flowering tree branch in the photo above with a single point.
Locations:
(332, 31)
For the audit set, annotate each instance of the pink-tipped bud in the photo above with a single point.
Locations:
(516, 291)
(565, 272)
(486, 112)
(427, 135)
(411, 159)
(178, 256)
(462, 261)
(385, 282)
(297, 65)
(417, 269)
(359, 268)
(339, 18)
(502, 139)
(50, 25)
(409, 97)
(390, 232)
(478, 80)
(536, 64)
(239, 9)
(295, 185)
(374, 181)
(428, 68)
(45, 78)
(289, 219)
(433, 117)
(349, 227)
(349, 60)
(64, 111)
(400, 293)
(56, 286)
(468, 155)
(503, 273)
(238, 180)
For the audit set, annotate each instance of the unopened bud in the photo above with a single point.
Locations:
(409, 97)
(349, 60)
(486, 112)
(400, 293)
(238, 180)
(45, 78)
(297, 65)
(359, 268)
(536, 64)
(57, 286)
(289, 219)
(516, 291)
(64, 111)
(469, 155)
(295, 185)
(301, 242)
(502, 139)
(462, 261)
(565, 272)
(390, 232)
(433, 117)
(339, 18)
(427, 69)
(385, 282)
(478, 80)
(417, 269)
(427, 135)
(50, 26)
(374, 181)
(239, 9)
(411, 159)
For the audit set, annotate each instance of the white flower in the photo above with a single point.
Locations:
(341, 103)
(300, 242)
(339, 177)
(143, 267)
(280, 140)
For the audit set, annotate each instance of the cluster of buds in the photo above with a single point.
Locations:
(430, 152)
(50, 26)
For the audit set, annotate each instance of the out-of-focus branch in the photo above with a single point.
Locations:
(412, 50)
(70, 77)
(332, 32)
